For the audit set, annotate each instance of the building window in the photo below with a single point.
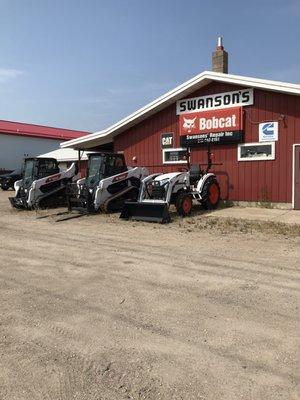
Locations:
(256, 151)
(174, 156)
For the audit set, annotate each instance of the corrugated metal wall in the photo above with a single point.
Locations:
(243, 181)
(14, 148)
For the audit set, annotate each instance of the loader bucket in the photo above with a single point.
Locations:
(18, 202)
(146, 211)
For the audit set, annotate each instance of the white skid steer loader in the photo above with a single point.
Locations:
(109, 182)
(42, 184)
(159, 191)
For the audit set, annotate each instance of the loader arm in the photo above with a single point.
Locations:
(145, 182)
(102, 194)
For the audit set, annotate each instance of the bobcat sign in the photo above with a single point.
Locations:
(217, 126)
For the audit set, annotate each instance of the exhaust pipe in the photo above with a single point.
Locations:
(146, 211)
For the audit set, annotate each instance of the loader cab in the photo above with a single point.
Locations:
(38, 168)
(104, 165)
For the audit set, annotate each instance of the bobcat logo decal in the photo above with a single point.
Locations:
(189, 124)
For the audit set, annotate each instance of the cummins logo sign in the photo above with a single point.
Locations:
(217, 101)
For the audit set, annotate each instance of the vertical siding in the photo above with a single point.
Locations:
(248, 180)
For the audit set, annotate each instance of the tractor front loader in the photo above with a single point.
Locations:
(159, 191)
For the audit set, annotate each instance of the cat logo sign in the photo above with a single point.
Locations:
(229, 119)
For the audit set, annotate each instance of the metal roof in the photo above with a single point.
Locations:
(181, 91)
(66, 155)
(40, 131)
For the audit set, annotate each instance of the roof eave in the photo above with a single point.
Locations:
(197, 82)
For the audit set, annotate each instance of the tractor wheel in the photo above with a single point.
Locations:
(210, 194)
(184, 204)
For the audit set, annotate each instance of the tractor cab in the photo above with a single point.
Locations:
(103, 165)
(38, 168)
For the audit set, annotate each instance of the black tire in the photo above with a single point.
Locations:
(4, 186)
(184, 204)
(210, 194)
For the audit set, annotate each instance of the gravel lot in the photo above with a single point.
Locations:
(98, 308)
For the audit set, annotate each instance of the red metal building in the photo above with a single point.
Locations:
(252, 125)
(18, 139)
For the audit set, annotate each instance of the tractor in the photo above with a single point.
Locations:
(158, 191)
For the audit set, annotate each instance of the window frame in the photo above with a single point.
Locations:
(270, 158)
(164, 151)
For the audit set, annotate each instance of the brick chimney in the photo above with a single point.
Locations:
(220, 58)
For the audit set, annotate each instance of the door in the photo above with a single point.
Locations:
(296, 177)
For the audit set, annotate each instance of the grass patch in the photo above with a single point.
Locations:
(228, 225)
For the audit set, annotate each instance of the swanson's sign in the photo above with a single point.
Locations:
(225, 137)
(216, 101)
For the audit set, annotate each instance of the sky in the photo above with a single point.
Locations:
(85, 64)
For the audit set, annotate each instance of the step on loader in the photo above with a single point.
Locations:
(158, 191)
(42, 184)
(108, 184)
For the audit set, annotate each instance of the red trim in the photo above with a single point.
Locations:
(48, 132)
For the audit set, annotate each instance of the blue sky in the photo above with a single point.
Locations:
(85, 64)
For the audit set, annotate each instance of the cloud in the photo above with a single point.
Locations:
(8, 74)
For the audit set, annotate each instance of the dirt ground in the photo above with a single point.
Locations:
(99, 308)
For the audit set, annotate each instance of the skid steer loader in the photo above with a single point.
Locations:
(109, 182)
(42, 184)
(158, 191)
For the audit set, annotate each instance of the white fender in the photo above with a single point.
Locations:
(201, 182)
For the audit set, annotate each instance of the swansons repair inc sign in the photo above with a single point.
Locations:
(214, 126)
(216, 101)
(229, 119)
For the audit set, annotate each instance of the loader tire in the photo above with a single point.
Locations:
(210, 194)
(184, 204)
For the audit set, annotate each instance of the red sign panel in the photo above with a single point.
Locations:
(53, 178)
(227, 119)
(120, 177)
